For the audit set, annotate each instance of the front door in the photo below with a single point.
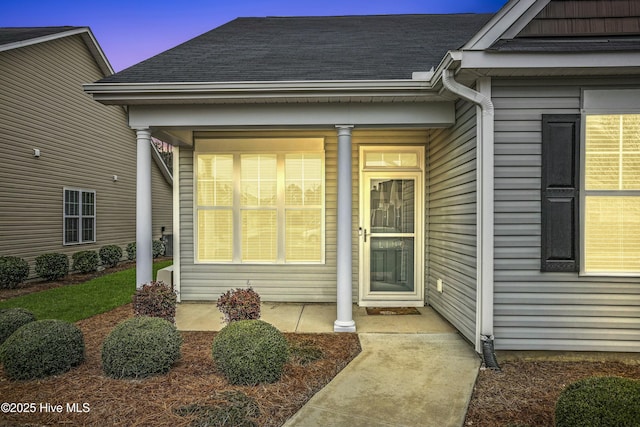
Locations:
(391, 239)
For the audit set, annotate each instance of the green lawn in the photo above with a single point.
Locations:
(77, 302)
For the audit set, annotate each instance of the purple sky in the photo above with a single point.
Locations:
(130, 31)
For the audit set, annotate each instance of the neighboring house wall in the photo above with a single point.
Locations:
(451, 207)
(535, 310)
(162, 202)
(82, 145)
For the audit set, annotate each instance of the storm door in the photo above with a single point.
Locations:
(391, 238)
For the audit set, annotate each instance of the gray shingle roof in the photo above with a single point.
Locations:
(310, 48)
(18, 34)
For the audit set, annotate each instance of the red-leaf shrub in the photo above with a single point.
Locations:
(239, 304)
(155, 299)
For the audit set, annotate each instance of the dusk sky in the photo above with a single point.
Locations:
(130, 31)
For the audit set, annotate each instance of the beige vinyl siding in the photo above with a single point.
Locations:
(546, 311)
(82, 144)
(451, 217)
(162, 202)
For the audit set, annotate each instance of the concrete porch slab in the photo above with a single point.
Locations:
(313, 318)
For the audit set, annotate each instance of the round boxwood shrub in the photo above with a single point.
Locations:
(110, 255)
(13, 318)
(250, 352)
(13, 271)
(131, 251)
(42, 348)
(599, 401)
(158, 248)
(85, 261)
(52, 266)
(141, 347)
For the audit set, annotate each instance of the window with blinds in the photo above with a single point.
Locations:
(612, 194)
(260, 207)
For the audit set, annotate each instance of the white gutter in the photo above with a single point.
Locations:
(485, 192)
(131, 93)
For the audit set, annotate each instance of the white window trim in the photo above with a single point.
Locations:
(280, 147)
(80, 216)
(584, 192)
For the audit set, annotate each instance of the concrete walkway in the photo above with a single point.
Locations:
(413, 370)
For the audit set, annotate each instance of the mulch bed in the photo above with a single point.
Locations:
(525, 392)
(193, 380)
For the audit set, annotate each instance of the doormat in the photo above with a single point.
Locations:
(391, 311)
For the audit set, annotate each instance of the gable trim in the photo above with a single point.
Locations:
(84, 32)
(514, 16)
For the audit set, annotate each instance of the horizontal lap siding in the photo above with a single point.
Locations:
(286, 283)
(546, 311)
(451, 207)
(82, 142)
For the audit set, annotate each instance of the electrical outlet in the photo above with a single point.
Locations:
(439, 285)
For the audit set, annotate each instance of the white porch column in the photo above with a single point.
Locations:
(344, 322)
(144, 251)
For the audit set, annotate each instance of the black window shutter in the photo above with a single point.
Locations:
(560, 186)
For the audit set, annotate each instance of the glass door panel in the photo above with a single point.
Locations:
(392, 261)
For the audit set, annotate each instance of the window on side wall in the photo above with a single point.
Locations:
(255, 206)
(79, 222)
(611, 196)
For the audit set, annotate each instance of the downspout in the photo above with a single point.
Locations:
(485, 209)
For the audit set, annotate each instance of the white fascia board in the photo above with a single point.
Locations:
(36, 40)
(557, 60)
(513, 16)
(98, 53)
(139, 93)
(203, 116)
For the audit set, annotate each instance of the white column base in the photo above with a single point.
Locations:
(339, 326)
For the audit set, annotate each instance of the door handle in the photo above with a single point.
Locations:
(363, 233)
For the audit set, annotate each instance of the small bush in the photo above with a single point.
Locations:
(158, 248)
(85, 261)
(11, 319)
(52, 266)
(131, 251)
(141, 347)
(155, 299)
(42, 348)
(250, 352)
(239, 304)
(110, 255)
(598, 402)
(13, 271)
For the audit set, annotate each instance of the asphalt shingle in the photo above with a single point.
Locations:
(373, 47)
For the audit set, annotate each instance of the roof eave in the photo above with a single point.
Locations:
(258, 91)
(84, 32)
